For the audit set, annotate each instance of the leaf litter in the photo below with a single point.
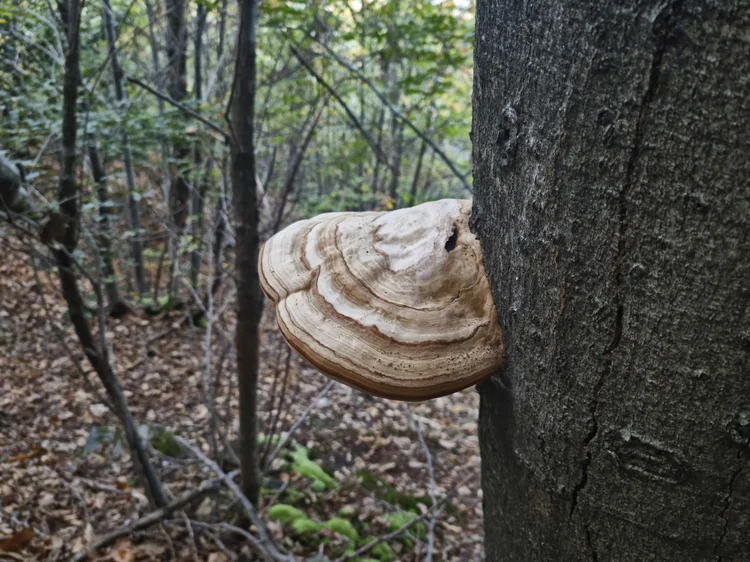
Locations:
(65, 477)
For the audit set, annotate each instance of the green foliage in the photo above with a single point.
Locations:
(302, 464)
(285, 513)
(343, 527)
(401, 518)
(382, 552)
(388, 492)
(164, 441)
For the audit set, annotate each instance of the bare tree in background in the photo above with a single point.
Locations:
(249, 298)
(136, 246)
(201, 172)
(177, 88)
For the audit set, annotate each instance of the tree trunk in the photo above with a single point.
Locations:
(376, 172)
(117, 306)
(611, 175)
(63, 251)
(420, 159)
(200, 174)
(249, 298)
(136, 246)
(115, 302)
(176, 69)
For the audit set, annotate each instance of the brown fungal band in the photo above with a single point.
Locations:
(393, 303)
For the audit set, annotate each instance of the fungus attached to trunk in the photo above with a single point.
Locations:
(394, 303)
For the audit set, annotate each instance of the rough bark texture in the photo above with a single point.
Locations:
(249, 298)
(612, 201)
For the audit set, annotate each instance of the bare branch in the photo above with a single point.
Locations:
(213, 126)
(264, 544)
(433, 491)
(299, 421)
(351, 68)
(353, 118)
(155, 516)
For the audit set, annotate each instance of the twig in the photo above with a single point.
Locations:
(152, 518)
(399, 115)
(263, 544)
(409, 524)
(164, 532)
(353, 118)
(180, 106)
(433, 492)
(298, 422)
(58, 332)
(191, 534)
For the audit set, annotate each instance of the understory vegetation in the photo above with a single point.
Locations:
(120, 278)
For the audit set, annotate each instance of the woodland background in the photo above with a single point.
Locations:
(359, 106)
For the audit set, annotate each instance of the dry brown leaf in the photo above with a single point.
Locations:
(30, 455)
(18, 540)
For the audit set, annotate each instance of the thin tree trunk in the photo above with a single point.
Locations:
(199, 186)
(220, 228)
(296, 162)
(420, 159)
(163, 142)
(116, 303)
(376, 172)
(222, 205)
(179, 191)
(611, 200)
(136, 246)
(249, 298)
(171, 247)
(68, 198)
(398, 149)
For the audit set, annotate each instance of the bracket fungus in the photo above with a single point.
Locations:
(393, 303)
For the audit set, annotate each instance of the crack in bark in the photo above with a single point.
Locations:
(663, 29)
(590, 544)
(727, 502)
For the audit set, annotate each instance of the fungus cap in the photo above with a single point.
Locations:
(393, 303)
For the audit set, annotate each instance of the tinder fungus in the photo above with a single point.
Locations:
(395, 303)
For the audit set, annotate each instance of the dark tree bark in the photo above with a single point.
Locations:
(63, 249)
(611, 175)
(177, 89)
(249, 298)
(117, 306)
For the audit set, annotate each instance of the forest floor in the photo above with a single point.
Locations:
(66, 480)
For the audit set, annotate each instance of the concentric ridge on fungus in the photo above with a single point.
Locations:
(394, 303)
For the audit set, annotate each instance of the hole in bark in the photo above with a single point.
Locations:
(450, 244)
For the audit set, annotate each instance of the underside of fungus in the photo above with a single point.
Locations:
(393, 303)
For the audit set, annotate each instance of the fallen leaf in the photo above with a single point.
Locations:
(30, 455)
(18, 540)
(98, 410)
